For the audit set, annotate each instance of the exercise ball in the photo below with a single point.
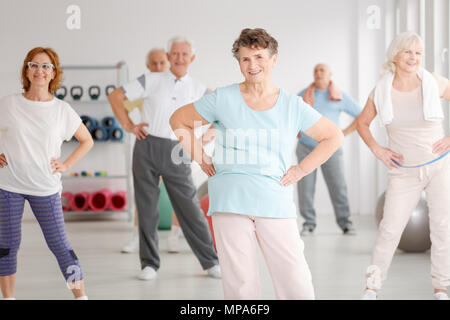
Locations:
(204, 204)
(165, 206)
(416, 235)
(165, 209)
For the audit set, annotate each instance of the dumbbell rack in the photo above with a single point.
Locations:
(105, 155)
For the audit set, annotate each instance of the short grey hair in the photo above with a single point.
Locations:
(180, 39)
(400, 42)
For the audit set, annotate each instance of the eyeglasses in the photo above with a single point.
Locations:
(46, 67)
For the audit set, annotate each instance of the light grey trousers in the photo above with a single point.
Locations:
(152, 159)
(333, 172)
(405, 186)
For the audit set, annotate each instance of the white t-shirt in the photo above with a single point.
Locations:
(31, 133)
(163, 94)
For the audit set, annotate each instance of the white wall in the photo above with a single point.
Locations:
(438, 50)
(308, 32)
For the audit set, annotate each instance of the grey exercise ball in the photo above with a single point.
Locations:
(416, 236)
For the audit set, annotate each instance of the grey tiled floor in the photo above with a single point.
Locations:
(337, 263)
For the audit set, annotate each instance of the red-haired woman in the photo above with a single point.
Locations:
(33, 126)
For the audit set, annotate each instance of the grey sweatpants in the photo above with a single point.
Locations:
(333, 173)
(152, 159)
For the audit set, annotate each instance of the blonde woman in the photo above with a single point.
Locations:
(407, 101)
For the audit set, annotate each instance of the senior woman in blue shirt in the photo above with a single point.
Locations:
(250, 174)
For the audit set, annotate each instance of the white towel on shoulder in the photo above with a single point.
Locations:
(432, 109)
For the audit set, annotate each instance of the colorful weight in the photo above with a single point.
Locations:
(79, 202)
(89, 122)
(100, 200)
(109, 122)
(100, 134)
(116, 134)
(118, 201)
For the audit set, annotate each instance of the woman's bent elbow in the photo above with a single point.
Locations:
(89, 143)
(361, 124)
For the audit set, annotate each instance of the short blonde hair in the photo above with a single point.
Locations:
(400, 42)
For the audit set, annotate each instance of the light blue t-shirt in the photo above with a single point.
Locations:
(330, 109)
(253, 150)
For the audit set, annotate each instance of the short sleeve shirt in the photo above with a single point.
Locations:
(253, 150)
(31, 133)
(163, 94)
(331, 110)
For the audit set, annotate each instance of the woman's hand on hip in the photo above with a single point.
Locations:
(58, 166)
(207, 166)
(388, 157)
(3, 162)
(442, 146)
(294, 174)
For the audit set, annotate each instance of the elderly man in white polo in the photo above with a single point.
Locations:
(163, 93)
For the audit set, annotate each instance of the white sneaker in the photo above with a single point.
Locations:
(132, 246)
(148, 273)
(173, 244)
(441, 296)
(82, 298)
(214, 272)
(7, 298)
(306, 231)
(369, 295)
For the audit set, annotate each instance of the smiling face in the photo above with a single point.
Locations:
(180, 57)
(39, 77)
(409, 58)
(256, 64)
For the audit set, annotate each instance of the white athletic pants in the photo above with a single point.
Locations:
(237, 236)
(404, 189)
